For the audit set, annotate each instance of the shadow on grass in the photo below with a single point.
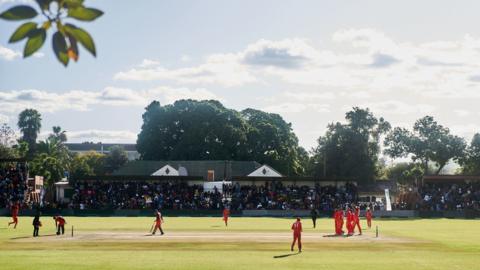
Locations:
(216, 226)
(26, 237)
(285, 255)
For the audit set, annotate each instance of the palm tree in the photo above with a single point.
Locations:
(29, 123)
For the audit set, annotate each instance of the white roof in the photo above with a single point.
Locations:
(265, 171)
(166, 170)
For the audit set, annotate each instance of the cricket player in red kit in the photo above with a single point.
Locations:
(350, 222)
(338, 216)
(297, 234)
(158, 223)
(356, 219)
(60, 224)
(14, 210)
(226, 214)
(368, 215)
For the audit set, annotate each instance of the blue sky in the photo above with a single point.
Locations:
(309, 61)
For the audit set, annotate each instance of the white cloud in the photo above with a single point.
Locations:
(105, 136)
(366, 59)
(294, 107)
(79, 100)
(465, 130)
(4, 119)
(148, 63)
(461, 112)
(395, 107)
(185, 58)
(8, 54)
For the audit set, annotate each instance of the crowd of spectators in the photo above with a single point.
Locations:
(143, 195)
(13, 184)
(168, 195)
(438, 197)
(275, 195)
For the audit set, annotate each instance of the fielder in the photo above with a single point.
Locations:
(14, 210)
(226, 214)
(297, 234)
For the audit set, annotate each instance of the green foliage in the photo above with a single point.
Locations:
(272, 141)
(206, 130)
(116, 158)
(350, 150)
(84, 14)
(471, 161)
(47, 166)
(35, 41)
(29, 123)
(80, 167)
(81, 36)
(21, 12)
(22, 31)
(429, 141)
(66, 36)
(405, 173)
(60, 47)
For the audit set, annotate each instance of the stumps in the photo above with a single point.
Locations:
(72, 230)
(376, 231)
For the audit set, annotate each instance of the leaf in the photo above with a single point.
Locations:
(84, 14)
(44, 4)
(22, 31)
(81, 36)
(72, 3)
(73, 49)
(60, 47)
(35, 41)
(21, 12)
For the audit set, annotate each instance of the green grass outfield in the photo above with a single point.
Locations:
(425, 244)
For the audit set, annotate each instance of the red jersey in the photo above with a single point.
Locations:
(226, 212)
(369, 214)
(297, 228)
(158, 217)
(356, 215)
(60, 221)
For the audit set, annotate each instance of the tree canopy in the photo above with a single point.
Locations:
(206, 130)
(350, 150)
(428, 142)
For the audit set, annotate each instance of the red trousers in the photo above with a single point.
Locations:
(369, 222)
(357, 224)
(338, 227)
(297, 237)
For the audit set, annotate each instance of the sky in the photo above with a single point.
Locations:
(309, 61)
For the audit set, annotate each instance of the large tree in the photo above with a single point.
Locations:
(350, 150)
(53, 158)
(206, 130)
(428, 142)
(272, 141)
(471, 161)
(192, 130)
(29, 123)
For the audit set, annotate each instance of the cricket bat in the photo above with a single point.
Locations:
(151, 229)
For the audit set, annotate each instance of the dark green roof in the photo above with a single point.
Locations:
(223, 169)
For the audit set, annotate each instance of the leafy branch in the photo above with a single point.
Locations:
(66, 37)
